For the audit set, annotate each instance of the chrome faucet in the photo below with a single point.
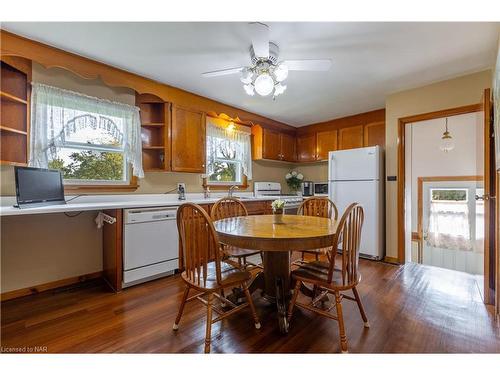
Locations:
(231, 190)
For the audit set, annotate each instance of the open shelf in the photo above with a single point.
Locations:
(11, 130)
(153, 124)
(7, 96)
(14, 115)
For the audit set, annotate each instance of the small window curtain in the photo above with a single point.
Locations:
(449, 226)
(239, 137)
(53, 114)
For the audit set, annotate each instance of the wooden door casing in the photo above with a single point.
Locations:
(188, 140)
(351, 137)
(306, 147)
(326, 141)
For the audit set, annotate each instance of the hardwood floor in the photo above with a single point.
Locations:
(412, 309)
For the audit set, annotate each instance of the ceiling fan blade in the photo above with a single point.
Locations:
(222, 72)
(322, 65)
(259, 33)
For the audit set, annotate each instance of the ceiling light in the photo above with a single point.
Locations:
(246, 75)
(447, 143)
(281, 72)
(249, 89)
(279, 89)
(264, 84)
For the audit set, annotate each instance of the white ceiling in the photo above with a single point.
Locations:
(370, 60)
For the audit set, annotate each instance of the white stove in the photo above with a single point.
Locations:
(273, 190)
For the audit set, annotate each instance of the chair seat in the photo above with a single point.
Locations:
(317, 272)
(229, 276)
(236, 252)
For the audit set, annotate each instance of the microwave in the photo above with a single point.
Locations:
(321, 189)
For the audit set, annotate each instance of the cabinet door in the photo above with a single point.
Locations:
(188, 140)
(271, 145)
(351, 137)
(374, 134)
(326, 141)
(306, 147)
(287, 147)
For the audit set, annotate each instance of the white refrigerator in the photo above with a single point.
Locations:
(357, 175)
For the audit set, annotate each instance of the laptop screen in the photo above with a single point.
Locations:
(37, 186)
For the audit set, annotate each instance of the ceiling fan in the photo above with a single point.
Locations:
(267, 74)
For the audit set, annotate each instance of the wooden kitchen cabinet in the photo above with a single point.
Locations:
(188, 140)
(306, 147)
(374, 134)
(326, 141)
(351, 137)
(287, 147)
(272, 145)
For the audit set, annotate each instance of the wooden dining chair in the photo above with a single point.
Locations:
(330, 280)
(204, 271)
(320, 207)
(232, 207)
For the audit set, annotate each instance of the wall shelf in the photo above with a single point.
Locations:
(11, 130)
(13, 98)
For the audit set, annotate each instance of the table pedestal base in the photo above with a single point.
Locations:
(277, 283)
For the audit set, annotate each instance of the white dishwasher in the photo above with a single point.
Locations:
(151, 244)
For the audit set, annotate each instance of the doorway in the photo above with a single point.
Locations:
(450, 193)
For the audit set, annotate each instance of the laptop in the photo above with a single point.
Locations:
(37, 187)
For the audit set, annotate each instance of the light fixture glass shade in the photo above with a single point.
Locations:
(281, 72)
(264, 84)
(246, 76)
(447, 143)
(279, 89)
(249, 89)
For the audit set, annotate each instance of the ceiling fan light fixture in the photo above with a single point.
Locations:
(281, 72)
(279, 89)
(246, 76)
(264, 84)
(249, 89)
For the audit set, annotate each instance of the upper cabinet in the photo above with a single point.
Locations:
(351, 137)
(374, 134)
(326, 141)
(306, 147)
(188, 140)
(273, 145)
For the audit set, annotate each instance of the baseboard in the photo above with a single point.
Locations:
(391, 260)
(48, 286)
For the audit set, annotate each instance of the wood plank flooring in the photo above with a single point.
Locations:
(412, 309)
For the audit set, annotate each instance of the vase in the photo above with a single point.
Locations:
(278, 217)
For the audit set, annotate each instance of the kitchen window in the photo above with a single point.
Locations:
(229, 159)
(91, 140)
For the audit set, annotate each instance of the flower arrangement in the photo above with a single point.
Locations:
(293, 180)
(278, 205)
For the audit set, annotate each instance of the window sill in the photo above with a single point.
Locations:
(132, 186)
(243, 185)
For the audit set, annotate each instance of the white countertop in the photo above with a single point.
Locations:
(106, 202)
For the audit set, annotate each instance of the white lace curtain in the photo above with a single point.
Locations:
(56, 112)
(449, 226)
(239, 141)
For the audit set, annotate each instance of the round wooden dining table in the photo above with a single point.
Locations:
(276, 241)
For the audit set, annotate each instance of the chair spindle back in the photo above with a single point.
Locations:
(348, 236)
(228, 207)
(199, 243)
(321, 207)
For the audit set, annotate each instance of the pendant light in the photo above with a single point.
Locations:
(447, 143)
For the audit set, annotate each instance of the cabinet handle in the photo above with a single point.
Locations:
(203, 165)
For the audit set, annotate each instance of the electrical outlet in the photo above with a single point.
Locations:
(181, 185)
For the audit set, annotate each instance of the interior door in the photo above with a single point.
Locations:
(488, 171)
